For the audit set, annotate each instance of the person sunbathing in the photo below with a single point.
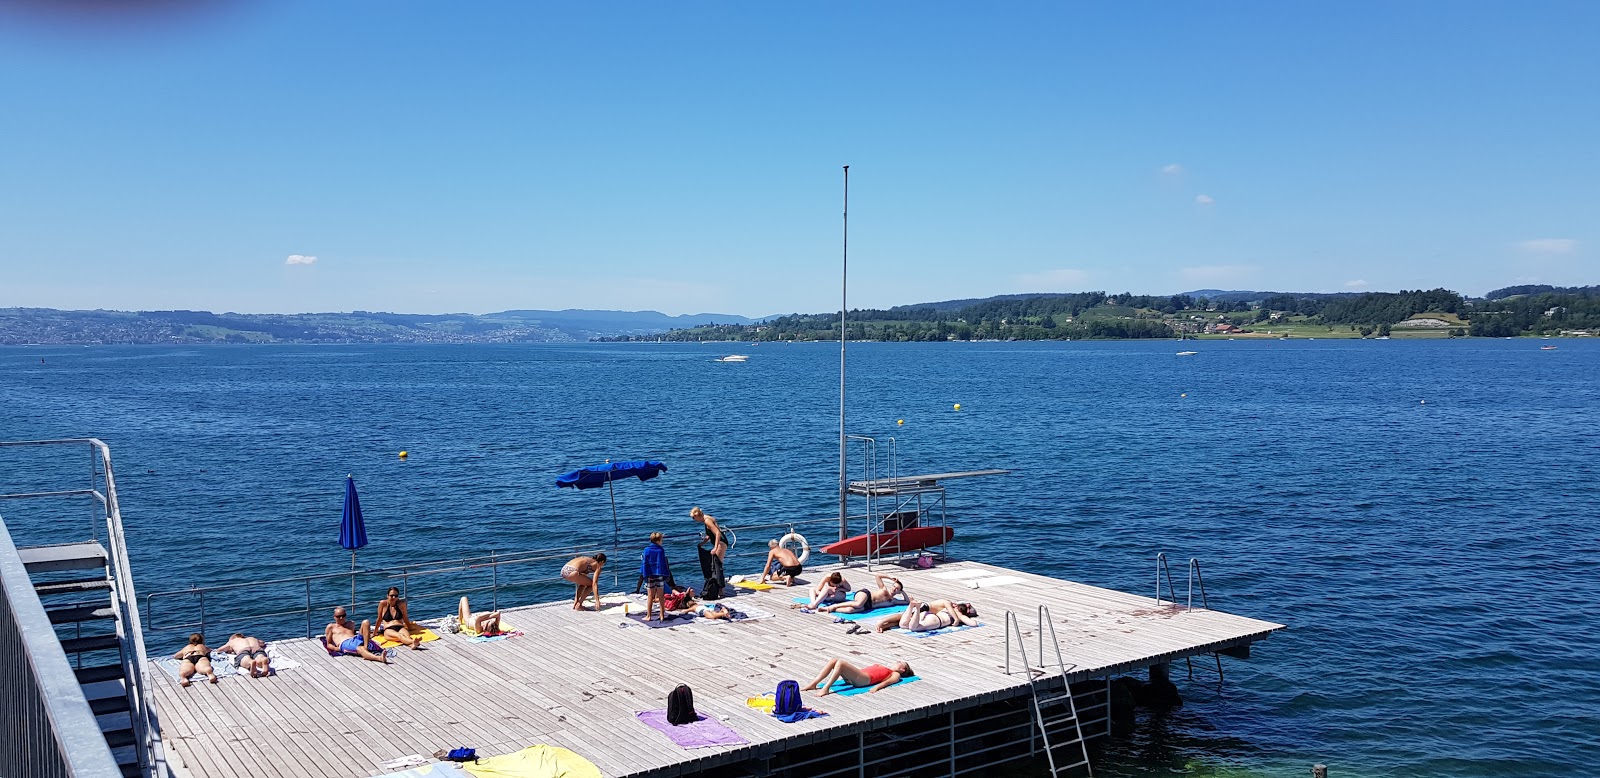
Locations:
(782, 564)
(889, 592)
(938, 614)
(393, 620)
(834, 588)
(584, 572)
(194, 658)
(683, 601)
(249, 654)
(342, 637)
(487, 624)
(875, 676)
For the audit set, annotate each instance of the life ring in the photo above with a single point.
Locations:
(805, 548)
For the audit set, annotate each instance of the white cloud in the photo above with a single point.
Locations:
(1548, 246)
(1204, 199)
(1211, 273)
(1051, 280)
(1356, 284)
(1172, 169)
(300, 259)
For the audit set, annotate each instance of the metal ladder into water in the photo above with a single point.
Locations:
(1055, 713)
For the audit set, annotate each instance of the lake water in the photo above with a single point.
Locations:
(1421, 514)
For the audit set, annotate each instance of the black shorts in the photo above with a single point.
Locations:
(789, 570)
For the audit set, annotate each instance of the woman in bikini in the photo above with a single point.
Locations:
(584, 572)
(393, 619)
(938, 614)
(194, 658)
(889, 592)
(875, 676)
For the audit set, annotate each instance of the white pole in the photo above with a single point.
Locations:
(844, 336)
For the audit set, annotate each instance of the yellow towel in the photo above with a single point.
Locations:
(416, 630)
(760, 587)
(765, 703)
(534, 762)
(472, 633)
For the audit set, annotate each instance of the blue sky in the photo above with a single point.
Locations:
(686, 157)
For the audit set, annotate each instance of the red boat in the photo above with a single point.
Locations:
(909, 539)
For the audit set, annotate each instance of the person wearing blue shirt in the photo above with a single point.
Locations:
(655, 575)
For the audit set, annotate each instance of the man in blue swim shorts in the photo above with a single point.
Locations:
(341, 637)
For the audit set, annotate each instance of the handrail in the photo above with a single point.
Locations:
(404, 574)
(1161, 569)
(1194, 578)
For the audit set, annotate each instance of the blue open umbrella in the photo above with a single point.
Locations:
(606, 474)
(352, 530)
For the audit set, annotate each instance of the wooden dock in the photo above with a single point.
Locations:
(576, 679)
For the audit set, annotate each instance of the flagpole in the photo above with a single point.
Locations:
(844, 279)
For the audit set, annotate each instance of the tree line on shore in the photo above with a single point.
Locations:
(1097, 315)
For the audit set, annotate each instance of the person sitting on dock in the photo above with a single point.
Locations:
(486, 624)
(194, 658)
(875, 676)
(584, 572)
(393, 618)
(342, 637)
(889, 592)
(656, 575)
(249, 654)
(833, 588)
(782, 560)
(719, 547)
(938, 614)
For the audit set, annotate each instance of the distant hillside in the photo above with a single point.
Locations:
(48, 325)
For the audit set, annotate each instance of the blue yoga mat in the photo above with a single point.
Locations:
(843, 687)
(891, 610)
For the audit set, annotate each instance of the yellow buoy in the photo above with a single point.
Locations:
(902, 421)
(958, 406)
(403, 455)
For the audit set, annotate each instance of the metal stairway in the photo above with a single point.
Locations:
(1055, 713)
(75, 586)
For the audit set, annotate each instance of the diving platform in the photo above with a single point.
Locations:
(883, 487)
(577, 679)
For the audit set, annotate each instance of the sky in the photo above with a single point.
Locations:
(687, 157)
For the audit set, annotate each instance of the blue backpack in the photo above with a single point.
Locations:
(462, 755)
(787, 700)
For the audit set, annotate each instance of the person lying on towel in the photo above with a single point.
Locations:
(249, 654)
(683, 600)
(938, 614)
(782, 564)
(889, 592)
(834, 588)
(875, 676)
(485, 624)
(342, 637)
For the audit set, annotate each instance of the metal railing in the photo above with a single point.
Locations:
(1195, 583)
(50, 732)
(104, 506)
(290, 606)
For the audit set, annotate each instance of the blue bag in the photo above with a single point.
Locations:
(462, 755)
(787, 699)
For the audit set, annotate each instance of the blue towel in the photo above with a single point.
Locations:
(843, 687)
(887, 610)
(940, 631)
(799, 715)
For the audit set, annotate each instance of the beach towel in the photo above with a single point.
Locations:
(436, 770)
(799, 715)
(932, 632)
(222, 663)
(764, 703)
(752, 585)
(957, 575)
(843, 687)
(705, 733)
(416, 630)
(672, 620)
(620, 603)
(887, 610)
(992, 581)
(539, 761)
(505, 629)
(493, 638)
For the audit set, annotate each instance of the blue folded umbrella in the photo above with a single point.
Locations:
(596, 476)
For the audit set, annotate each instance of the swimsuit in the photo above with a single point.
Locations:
(388, 615)
(876, 674)
(568, 570)
(194, 658)
(238, 659)
(352, 645)
(789, 570)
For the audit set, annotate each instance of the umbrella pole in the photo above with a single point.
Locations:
(616, 528)
(352, 581)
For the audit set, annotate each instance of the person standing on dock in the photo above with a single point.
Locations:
(584, 572)
(719, 547)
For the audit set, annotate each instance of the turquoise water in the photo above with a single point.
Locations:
(1421, 514)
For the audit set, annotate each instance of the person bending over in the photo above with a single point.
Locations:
(874, 676)
(249, 654)
(784, 561)
(584, 572)
(889, 592)
(343, 637)
(194, 658)
(719, 547)
(393, 619)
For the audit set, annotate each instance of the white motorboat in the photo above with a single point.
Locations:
(734, 358)
(1187, 353)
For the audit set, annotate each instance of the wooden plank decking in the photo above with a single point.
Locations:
(576, 679)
